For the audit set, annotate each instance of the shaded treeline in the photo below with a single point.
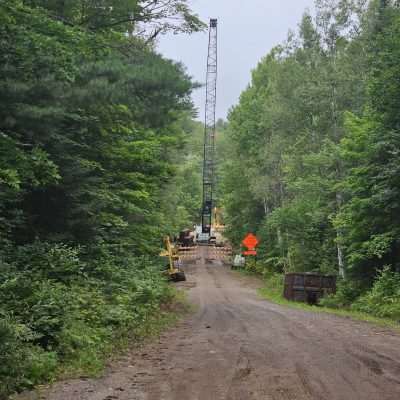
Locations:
(94, 126)
(311, 159)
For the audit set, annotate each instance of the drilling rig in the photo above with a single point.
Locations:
(209, 133)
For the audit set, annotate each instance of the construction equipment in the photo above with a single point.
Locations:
(218, 225)
(186, 238)
(209, 134)
(174, 271)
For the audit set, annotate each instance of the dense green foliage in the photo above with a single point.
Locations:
(94, 127)
(182, 196)
(60, 311)
(313, 158)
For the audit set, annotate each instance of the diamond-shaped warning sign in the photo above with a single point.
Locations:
(250, 241)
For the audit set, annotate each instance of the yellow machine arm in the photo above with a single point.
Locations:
(175, 274)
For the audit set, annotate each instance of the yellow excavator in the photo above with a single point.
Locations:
(174, 271)
(218, 225)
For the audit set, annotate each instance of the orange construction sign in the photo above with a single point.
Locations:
(250, 241)
(250, 253)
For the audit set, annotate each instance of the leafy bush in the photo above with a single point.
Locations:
(274, 284)
(49, 260)
(21, 364)
(69, 312)
(383, 300)
(83, 347)
(347, 292)
(36, 287)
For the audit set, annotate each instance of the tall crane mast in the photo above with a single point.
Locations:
(209, 129)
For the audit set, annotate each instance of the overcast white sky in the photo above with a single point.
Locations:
(247, 30)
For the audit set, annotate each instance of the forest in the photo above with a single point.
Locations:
(310, 158)
(96, 153)
(101, 154)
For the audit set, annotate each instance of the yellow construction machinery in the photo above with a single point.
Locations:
(218, 225)
(174, 271)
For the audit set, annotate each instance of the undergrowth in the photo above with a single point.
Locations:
(64, 313)
(380, 305)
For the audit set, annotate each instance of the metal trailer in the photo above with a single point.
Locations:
(308, 287)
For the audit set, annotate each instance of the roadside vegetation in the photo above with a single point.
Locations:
(273, 289)
(94, 127)
(311, 156)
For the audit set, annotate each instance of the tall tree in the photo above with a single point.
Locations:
(370, 149)
(287, 129)
(148, 18)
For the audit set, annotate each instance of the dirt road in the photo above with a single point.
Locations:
(239, 347)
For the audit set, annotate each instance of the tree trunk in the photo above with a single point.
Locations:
(340, 252)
